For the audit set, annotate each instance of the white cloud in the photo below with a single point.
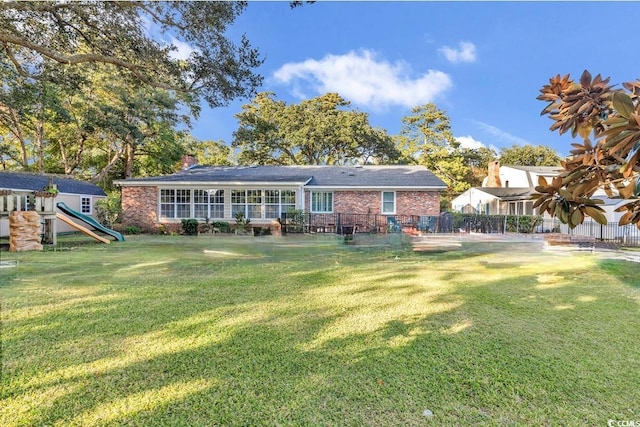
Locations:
(465, 53)
(469, 142)
(363, 79)
(501, 135)
(183, 50)
(473, 144)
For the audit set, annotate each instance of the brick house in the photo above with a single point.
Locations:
(264, 193)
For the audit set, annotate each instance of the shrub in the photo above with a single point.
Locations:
(132, 229)
(108, 210)
(223, 226)
(190, 227)
(242, 223)
(523, 223)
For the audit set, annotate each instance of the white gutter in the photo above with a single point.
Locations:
(207, 183)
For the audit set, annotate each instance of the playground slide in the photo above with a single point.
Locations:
(82, 229)
(88, 220)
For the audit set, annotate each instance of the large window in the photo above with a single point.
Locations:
(216, 199)
(262, 203)
(208, 203)
(277, 202)
(175, 203)
(322, 201)
(388, 202)
(254, 204)
(238, 202)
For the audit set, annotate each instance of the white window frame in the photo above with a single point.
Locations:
(212, 202)
(90, 199)
(234, 200)
(175, 204)
(276, 202)
(383, 201)
(323, 208)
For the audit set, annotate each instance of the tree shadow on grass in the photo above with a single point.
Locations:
(357, 344)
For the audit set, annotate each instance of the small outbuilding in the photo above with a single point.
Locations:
(18, 187)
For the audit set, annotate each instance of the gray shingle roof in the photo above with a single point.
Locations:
(25, 181)
(315, 176)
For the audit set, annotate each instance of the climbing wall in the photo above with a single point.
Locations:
(24, 231)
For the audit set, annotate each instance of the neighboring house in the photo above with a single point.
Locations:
(264, 193)
(518, 176)
(506, 190)
(78, 195)
(494, 201)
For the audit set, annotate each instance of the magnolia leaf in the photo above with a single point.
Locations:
(576, 217)
(544, 206)
(565, 194)
(542, 181)
(584, 130)
(636, 187)
(596, 213)
(615, 121)
(608, 191)
(587, 145)
(624, 207)
(626, 191)
(623, 104)
(625, 219)
(585, 79)
(563, 215)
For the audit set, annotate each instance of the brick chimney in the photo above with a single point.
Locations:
(188, 161)
(493, 179)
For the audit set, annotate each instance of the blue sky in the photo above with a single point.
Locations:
(483, 63)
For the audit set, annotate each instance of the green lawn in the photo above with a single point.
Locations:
(308, 331)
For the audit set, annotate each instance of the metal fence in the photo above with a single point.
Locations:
(347, 223)
(344, 223)
(628, 235)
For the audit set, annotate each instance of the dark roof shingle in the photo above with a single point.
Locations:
(318, 176)
(26, 181)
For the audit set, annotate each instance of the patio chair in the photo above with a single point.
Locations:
(393, 225)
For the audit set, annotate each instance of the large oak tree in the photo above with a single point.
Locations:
(129, 36)
(322, 130)
(529, 155)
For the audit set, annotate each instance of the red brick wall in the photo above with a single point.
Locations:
(418, 203)
(363, 202)
(140, 207)
(358, 202)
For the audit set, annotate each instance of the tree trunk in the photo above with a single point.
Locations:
(128, 159)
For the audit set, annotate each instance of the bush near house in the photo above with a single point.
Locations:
(190, 227)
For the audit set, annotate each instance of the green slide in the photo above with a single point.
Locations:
(89, 220)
